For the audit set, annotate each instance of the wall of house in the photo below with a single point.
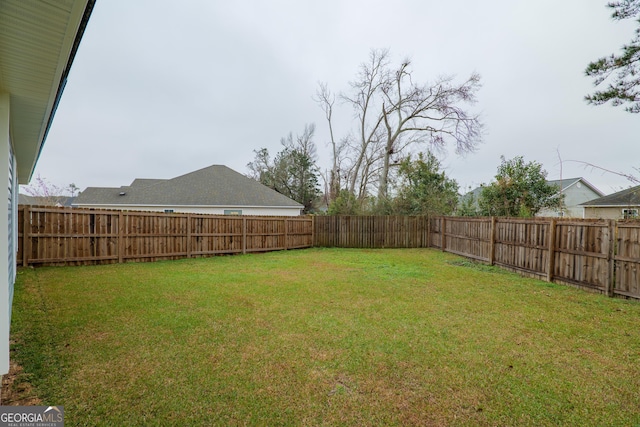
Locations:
(550, 213)
(7, 275)
(573, 196)
(229, 210)
(606, 212)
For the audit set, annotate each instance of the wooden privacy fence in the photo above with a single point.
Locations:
(371, 231)
(64, 236)
(598, 254)
(603, 255)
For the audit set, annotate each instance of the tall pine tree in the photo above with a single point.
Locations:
(622, 72)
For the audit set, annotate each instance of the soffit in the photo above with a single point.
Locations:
(37, 39)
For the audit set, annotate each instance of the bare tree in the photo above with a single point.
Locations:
(363, 97)
(44, 192)
(303, 143)
(634, 179)
(414, 114)
(326, 100)
(393, 114)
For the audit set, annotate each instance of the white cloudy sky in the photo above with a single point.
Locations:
(162, 88)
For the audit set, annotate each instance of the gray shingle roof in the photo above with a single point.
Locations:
(563, 184)
(143, 182)
(215, 185)
(628, 197)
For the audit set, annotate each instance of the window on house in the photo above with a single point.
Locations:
(168, 211)
(629, 213)
(233, 211)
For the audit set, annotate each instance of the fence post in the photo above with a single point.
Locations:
(313, 231)
(189, 235)
(244, 235)
(286, 234)
(120, 237)
(443, 229)
(429, 231)
(551, 264)
(492, 243)
(611, 258)
(26, 231)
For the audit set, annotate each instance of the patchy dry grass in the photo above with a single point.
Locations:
(324, 337)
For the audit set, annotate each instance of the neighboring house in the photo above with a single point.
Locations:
(38, 41)
(215, 189)
(58, 201)
(621, 205)
(575, 190)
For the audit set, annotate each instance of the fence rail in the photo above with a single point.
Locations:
(64, 236)
(600, 255)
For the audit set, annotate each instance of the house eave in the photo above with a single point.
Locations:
(626, 205)
(575, 183)
(34, 67)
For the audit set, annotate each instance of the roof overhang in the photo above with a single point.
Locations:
(628, 205)
(38, 41)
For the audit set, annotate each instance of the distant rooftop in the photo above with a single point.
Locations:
(216, 185)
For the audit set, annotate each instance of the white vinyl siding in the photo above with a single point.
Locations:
(7, 271)
(13, 225)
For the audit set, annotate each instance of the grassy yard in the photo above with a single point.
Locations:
(324, 337)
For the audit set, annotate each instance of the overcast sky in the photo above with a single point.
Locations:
(162, 88)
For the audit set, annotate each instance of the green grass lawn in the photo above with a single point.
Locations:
(324, 337)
